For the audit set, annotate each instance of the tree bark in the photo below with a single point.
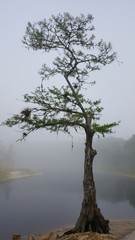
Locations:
(90, 218)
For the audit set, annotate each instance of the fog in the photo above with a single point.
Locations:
(113, 21)
(60, 185)
(62, 165)
(58, 155)
(54, 198)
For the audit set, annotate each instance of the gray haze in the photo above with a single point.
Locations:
(61, 158)
(60, 186)
(114, 21)
(62, 165)
(53, 199)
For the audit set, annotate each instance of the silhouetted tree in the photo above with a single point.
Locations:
(6, 155)
(2, 153)
(110, 152)
(62, 108)
(129, 152)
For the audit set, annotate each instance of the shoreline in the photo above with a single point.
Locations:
(121, 229)
(12, 174)
(118, 228)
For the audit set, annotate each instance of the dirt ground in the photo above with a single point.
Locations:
(119, 229)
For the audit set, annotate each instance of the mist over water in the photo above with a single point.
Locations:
(38, 203)
(53, 199)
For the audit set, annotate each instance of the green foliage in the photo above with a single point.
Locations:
(78, 54)
(104, 129)
(73, 37)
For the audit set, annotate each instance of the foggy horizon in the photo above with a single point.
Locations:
(114, 22)
(53, 198)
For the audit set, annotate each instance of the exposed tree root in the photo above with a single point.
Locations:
(96, 224)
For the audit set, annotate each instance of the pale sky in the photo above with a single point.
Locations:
(114, 22)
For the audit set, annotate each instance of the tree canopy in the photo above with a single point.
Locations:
(77, 54)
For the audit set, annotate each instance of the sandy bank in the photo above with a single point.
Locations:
(122, 230)
(11, 174)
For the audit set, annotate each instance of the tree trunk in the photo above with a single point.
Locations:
(90, 218)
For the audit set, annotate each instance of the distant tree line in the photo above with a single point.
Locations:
(116, 152)
(6, 155)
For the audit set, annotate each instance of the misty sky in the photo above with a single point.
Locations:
(114, 21)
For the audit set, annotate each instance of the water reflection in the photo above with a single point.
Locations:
(5, 189)
(110, 186)
(115, 188)
(40, 203)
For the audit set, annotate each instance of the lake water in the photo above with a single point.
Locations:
(39, 203)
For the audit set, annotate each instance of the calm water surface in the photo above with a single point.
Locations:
(37, 204)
